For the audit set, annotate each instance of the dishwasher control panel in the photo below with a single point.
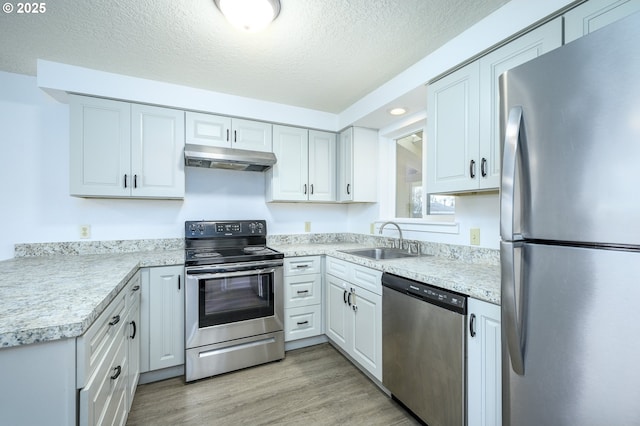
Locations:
(444, 298)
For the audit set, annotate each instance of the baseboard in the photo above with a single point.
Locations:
(165, 373)
(303, 343)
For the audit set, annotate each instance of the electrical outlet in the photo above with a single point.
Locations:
(474, 236)
(372, 228)
(85, 231)
(307, 227)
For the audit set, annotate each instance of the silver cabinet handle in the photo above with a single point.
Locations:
(302, 291)
(508, 184)
(472, 169)
(511, 320)
(311, 189)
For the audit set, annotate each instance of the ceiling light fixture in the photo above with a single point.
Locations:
(249, 15)
(398, 111)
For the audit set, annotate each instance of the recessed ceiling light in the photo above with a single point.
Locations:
(249, 15)
(397, 111)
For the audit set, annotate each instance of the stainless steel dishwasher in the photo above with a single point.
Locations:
(423, 349)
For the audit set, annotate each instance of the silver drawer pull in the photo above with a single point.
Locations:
(302, 322)
(302, 291)
(114, 320)
(302, 266)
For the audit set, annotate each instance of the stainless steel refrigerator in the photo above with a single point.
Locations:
(570, 228)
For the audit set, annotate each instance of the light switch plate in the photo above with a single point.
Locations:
(307, 227)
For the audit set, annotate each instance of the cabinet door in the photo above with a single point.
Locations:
(366, 344)
(166, 317)
(208, 129)
(338, 314)
(322, 166)
(345, 165)
(484, 384)
(288, 177)
(251, 135)
(453, 131)
(364, 165)
(100, 150)
(594, 15)
(157, 146)
(517, 52)
(132, 330)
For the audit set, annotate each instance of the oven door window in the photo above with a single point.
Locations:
(230, 299)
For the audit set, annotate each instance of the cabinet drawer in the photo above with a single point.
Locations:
(103, 400)
(362, 276)
(366, 278)
(132, 290)
(302, 265)
(94, 344)
(302, 290)
(302, 322)
(337, 267)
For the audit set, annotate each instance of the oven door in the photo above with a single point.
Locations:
(226, 302)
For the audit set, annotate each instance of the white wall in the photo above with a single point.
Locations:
(34, 180)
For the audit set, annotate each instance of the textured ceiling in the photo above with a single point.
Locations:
(318, 54)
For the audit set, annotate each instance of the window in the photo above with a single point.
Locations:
(409, 183)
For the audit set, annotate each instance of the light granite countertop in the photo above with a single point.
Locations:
(56, 297)
(480, 281)
(51, 297)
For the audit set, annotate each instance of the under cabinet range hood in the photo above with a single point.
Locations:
(227, 158)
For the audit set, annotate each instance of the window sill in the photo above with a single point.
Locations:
(431, 225)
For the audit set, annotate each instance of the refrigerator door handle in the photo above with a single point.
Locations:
(508, 184)
(512, 320)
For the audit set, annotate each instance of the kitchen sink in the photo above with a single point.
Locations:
(380, 253)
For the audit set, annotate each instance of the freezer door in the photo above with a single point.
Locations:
(572, 141)
(577, 332)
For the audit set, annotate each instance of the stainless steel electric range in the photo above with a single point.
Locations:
(234, 297)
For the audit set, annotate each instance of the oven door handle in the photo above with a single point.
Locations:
(232, 274)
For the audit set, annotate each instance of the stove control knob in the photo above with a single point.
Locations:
(201, 228)
(260, 228)
(192, 229)
(252, 227)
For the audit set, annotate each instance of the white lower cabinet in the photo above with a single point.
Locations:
(162, 318)
(484, 374)
(107, 363)
(302, 297)
(354, 312)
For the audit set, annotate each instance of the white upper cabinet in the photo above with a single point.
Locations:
(358, 165)
(208, 129)
(251, 135)
(287, 179)
(226, 132)
(119, 149)
(453, 131)
(322, 166)
(529, 46)
(463, 127)
(594, 15)
(306, 169)
(157, 152)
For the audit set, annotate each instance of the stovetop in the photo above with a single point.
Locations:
(215, 242)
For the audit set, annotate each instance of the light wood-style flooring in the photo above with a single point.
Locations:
(311, 386)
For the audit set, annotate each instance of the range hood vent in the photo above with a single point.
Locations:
(227, 158)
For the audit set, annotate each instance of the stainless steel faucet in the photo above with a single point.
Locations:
(399, 231)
